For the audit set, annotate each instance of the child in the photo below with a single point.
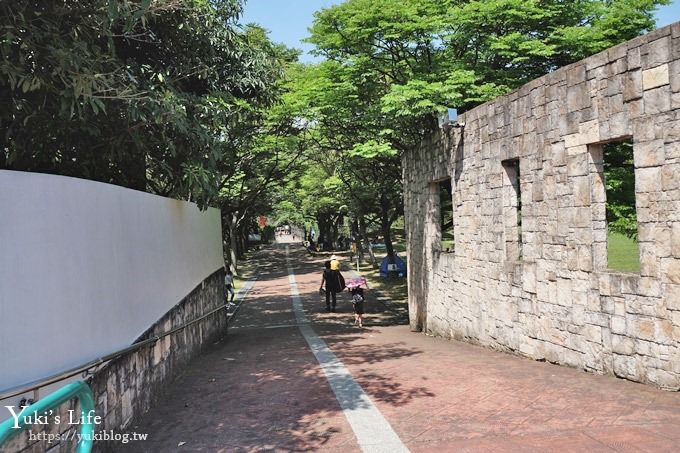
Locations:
(357, 291)
(229, 283)
(358, 303)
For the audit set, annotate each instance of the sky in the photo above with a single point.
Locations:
(287, 21)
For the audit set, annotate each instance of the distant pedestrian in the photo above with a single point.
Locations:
(335, 263)
(229, 284)
(331, 287)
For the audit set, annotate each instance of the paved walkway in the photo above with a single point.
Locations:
(291, 377)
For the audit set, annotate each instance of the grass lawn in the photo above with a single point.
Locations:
(247, 268)
(623, 253)
(448, 241)
(393, 288)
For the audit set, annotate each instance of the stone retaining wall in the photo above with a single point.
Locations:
(125, 388)
(557, 301)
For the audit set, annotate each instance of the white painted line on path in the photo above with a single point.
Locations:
(374, 434)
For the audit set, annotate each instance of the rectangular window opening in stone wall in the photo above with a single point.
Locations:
(446, 215)
(615, 229)
(512, 210)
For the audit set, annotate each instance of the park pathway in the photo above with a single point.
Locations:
(290, 377)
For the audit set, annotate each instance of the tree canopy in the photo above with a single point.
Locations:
(140, 94)
(391, 68)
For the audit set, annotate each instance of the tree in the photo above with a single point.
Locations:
(395, 66)
(619, 176)
(140, 94)
(264, 150)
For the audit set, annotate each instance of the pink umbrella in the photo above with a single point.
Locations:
(356, 282)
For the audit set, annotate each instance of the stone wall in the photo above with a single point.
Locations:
(557, 301)
(125, 388)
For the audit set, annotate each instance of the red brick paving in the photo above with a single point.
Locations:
(261, 389)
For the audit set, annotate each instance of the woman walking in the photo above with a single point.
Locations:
(331, 289)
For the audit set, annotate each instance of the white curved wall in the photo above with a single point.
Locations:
(86, 267)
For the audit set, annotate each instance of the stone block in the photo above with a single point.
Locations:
(581, 188)
(642, 328)
(613, 87)
(619, 65)
(590, 131)
(666, 380)
(671, 131)
(126, 407)
(527, 347)
(622, 344)
(655, 77)
(671, 299)
(604, 284)
(554, 353)
(674, 68)
(578, 97)
(618, 325)
(649, 154)
(575, 74)
(619, 126)
(657, 100)
(675, 241)
(670, 270)
(629, 284)
(584, 258)
(664, 332)
(649, 262)
(593, 333)
(662, 245)
(584, 282)
(581, 217)
(649, 287)
(644, 129)
(647, 232)
(635, 108)
(634, 58)
(648, 180)
(608, 305)
(632, 86)
(657, 52)
(573, 359)
(598, 319)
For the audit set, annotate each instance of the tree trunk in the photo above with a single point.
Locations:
(241, 241)
(233, 235)
(324, 222)
(386, 226)
(229, 225)
(334, 233)
(366, 241)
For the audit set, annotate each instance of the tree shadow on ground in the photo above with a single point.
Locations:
(261, 388)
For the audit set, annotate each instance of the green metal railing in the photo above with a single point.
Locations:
(28, 416)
